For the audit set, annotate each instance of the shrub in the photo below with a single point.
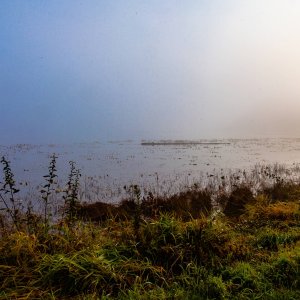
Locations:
(236, 202)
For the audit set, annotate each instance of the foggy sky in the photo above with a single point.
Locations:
(75, 71)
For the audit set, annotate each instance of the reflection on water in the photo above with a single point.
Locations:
(163, 166)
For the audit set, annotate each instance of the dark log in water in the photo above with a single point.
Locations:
(180, 143)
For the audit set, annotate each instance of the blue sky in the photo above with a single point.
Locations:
(75, 71)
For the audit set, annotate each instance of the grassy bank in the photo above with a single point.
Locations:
(230, 243)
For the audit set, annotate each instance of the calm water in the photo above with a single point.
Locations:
(107, 167)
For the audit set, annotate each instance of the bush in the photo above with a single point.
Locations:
(235, 204)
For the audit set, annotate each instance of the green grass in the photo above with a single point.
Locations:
(185, 250)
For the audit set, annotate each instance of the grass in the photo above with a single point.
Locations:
(244, 246)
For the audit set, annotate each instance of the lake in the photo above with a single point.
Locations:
(159, 166)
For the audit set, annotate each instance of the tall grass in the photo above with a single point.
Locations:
(202, 243)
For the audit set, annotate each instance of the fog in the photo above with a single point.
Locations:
(75, 71)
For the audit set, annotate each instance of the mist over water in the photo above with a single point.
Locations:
(164, 168)
(104, 70)
(74, 72)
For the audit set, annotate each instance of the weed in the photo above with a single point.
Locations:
(9, 188)
(71, 200)
(48, 188)
(135, 197)
(32, 220)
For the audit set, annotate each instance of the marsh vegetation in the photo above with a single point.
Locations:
(237, 237)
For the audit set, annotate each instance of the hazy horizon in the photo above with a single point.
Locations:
(75, 71)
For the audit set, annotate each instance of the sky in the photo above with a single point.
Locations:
(95, 70)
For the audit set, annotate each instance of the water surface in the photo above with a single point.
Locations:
(163, 166)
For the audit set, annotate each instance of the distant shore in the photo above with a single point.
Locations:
(167, 143)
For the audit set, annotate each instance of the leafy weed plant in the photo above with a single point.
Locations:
(9, 188)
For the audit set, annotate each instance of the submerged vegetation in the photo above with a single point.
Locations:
(236, 239)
